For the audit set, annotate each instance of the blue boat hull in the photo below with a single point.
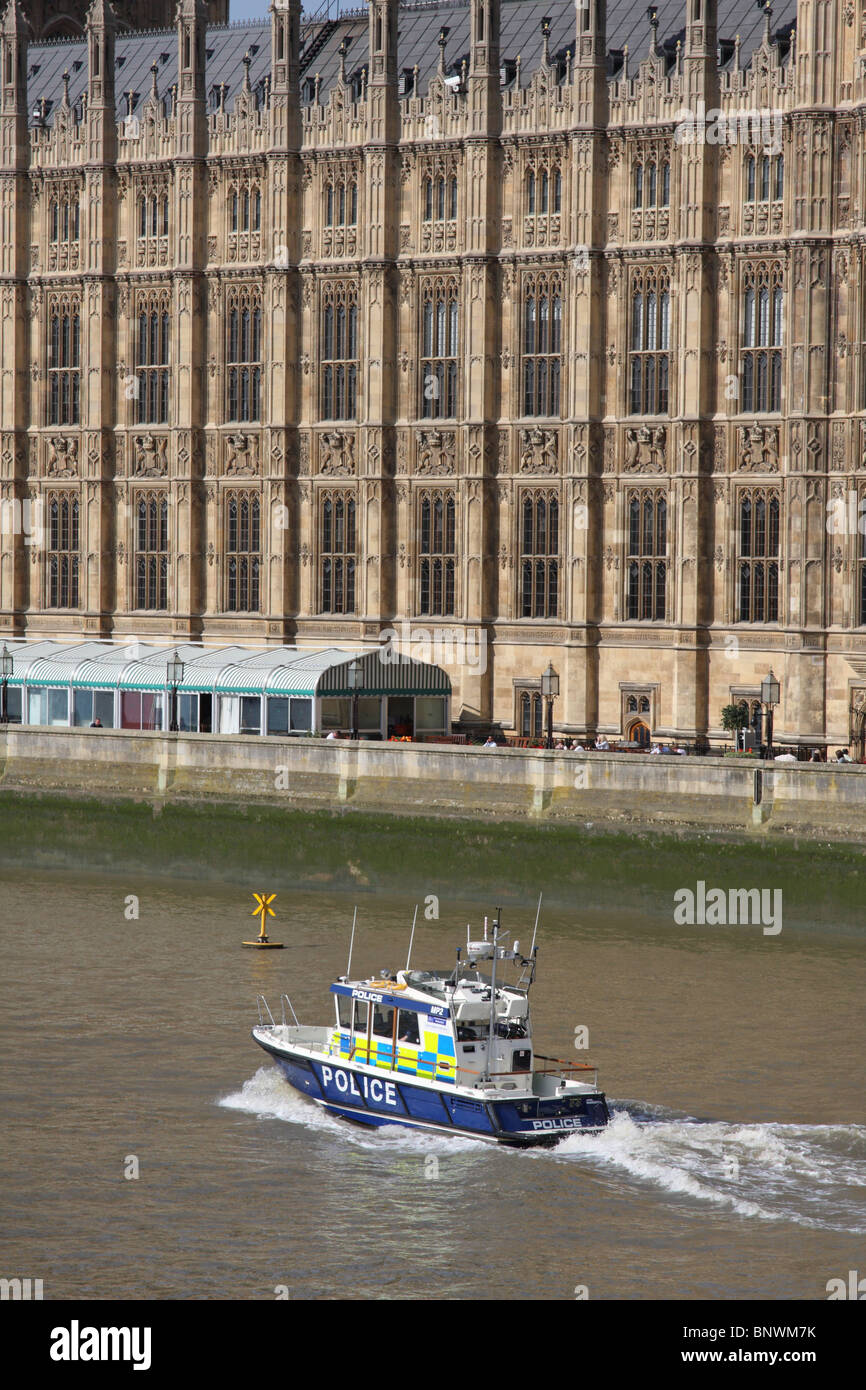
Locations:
(391, 1099)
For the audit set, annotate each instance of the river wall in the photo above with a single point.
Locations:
(723, 796)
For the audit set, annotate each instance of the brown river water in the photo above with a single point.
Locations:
(734, 1061)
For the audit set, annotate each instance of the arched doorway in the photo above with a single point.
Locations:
(639, 733)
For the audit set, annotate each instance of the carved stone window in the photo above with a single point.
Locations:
(151, 551)
(758, 556)
(62, 551)
(244, 203)
(341, 202)
(337, 552)
(649, 354)
(244, 354)
(646, 561)
(440, 196)
(152, 341)
(64, 360)
(763, 192)
(243, 552)
(437, 558)
(151, 213)
(440, 316)
(542, 344)
(530, 712)
(539, 554)
(339, 352)
(761, 351)
(652, 183)
(542, 199)
(650, 191)
(64, 228)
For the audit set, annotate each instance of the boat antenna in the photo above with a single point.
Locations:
(535, 928)
(412, 937)
(491, 1032)
(352, 941)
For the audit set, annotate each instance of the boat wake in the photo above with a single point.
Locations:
(813, 1175)
(269, 1096)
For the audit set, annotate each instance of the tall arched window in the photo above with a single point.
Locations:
(438, 553)
(153, 328)
(646, 566)
(339, 351)
(244, 354)
(440, 314)
(64, 361)
(62, 551)
(649, 356)
(758, 559)
(761, 353)
(539, 555)
(151, 551)
(337, 557)
(243, 553)
(542, 344)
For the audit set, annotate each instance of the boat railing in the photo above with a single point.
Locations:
(262, 1006)
(284, 1000)
(556, 1070)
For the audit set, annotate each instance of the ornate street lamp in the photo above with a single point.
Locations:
(770, 697)
(355, 676)
(550, 690)
(6, 663)
(174, 676)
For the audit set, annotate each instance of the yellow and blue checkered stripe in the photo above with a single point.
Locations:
(435, 1060)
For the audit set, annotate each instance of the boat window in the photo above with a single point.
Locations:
(361, 1007)
(344, 1011)
(407, 1027)
(383, 1020)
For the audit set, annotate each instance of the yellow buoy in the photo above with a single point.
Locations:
(264, 910)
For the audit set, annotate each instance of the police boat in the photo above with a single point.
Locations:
(442, 1050)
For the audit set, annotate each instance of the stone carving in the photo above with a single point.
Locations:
(538, 451)
(241, 455)
(436, 451)
(337, 455)
(304, 456)
(150, 456)
(645, 449)
(759, 449)
(62, 458)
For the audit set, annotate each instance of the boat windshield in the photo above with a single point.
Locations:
(429, 981)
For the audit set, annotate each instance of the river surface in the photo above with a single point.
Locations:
(735, 1166)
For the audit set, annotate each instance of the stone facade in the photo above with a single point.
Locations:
(63, 19)
(536, 362)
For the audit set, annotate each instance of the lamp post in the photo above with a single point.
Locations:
(355, 676)
(550, 690)
(769, 699)
(174, 675)
(6, 664)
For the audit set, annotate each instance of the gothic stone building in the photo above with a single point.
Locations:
(472, 317)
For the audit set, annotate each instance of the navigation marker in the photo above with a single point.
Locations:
(264, 910)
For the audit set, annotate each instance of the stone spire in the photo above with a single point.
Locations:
(101, 113)
(15, 140)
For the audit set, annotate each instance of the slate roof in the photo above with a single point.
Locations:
(419, 26)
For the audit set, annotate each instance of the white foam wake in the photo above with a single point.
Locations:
(813, 1175)
(269, 1096)
(809, 1174)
